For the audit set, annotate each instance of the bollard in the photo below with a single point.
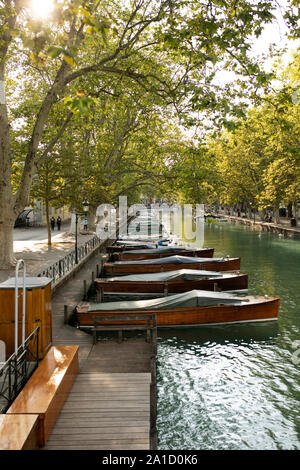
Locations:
(66, 319)
(100, 294)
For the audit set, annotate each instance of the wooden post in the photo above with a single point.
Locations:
(101, 294)
(66, 319)
(120, 336)
(84, 290)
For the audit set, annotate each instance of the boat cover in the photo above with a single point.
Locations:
(164, 249)
(140, 240)
(141, 246)
(193, 298)
(176, 259)
(185, 274)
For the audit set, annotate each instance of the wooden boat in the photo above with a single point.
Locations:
(188, 309)
(172, 282)
(120, 248)
(171, 263)
(163, 252)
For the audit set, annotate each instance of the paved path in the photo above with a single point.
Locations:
(38, 255)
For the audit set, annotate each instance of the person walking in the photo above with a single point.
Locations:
(85, 225)
(58, 221)
(52, 222)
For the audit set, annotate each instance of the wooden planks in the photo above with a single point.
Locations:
(19, 432)
(105, 411)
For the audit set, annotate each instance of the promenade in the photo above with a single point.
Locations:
(283, 227)
(31, 245)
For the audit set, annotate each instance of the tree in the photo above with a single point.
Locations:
(88, 37)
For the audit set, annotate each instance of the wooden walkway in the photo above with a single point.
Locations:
(105, 411)
(111, 403)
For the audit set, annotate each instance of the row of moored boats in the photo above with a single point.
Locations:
(184, 286)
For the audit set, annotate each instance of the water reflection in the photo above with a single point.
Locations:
(236, 386)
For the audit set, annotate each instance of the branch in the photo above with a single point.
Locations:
(53, 142)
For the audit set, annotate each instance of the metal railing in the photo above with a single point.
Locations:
(15, 372)
(61, 267)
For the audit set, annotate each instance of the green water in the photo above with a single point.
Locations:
(238, 386)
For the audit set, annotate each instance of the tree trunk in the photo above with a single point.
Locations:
(7, 209)
(91, 218)
(290, 210)
(276, 214)
(7, 258)
(295, 210)
(48, 222)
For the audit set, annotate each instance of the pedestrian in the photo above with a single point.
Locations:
(58, 221)
(85, 225)
(52, 222)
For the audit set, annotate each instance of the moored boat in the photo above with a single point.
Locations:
(171, 263)
(125, 247)
(171, 282)
(163, 252)
(192, 308)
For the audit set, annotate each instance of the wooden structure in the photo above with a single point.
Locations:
(38, 312)
(229, 281)
(145, 322)
(105, 411)
(47, 389)
(228, 264)
(110, 249)
(112, 403)
(136, 255)
(253, 308)
(19, 432)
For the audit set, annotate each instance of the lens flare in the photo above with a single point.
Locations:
(41, 9)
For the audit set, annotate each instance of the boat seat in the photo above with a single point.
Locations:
(19, 432)
(45, 392)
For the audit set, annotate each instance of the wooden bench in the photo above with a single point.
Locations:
(45, 392)
(19, 432)
(124, 323)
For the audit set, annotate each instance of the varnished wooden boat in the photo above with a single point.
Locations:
(119, 248)
(225, 282)
(246, 309)
(164, 264)
(162, 253)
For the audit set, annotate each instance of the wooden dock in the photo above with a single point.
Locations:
(112, 403)
(105, 411)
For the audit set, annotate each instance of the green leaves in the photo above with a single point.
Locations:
(80, 104)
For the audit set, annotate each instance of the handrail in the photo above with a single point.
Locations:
(61, 267)
(21, 261)
(15, 372)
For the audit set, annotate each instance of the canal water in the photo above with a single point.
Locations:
(237, 386)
